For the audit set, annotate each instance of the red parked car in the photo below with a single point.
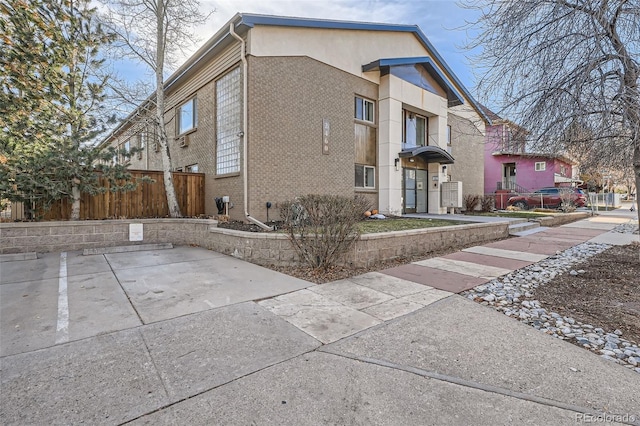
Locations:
(548, 198)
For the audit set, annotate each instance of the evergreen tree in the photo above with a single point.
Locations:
(50, 103)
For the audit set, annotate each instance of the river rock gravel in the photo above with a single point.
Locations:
(514, 295)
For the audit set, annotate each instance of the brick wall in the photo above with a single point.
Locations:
(467, 148)
(288, 99)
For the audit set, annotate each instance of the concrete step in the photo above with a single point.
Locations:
(515, 228)
(523, 232)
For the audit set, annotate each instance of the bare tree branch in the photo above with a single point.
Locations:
(556, 66)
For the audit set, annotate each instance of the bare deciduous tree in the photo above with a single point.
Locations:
(566, 70)
(155, 33)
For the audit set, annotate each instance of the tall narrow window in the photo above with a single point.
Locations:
(365, 144)
(415, 129)
(187, 116)
(364, 110)
(228, 122)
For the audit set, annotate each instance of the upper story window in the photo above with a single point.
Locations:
(364, 110)
(418, 76)
(142, 136)
(449, 139)
(415, 129)
(563, 170)
(125, 149)
(187, 116)
(541, 166)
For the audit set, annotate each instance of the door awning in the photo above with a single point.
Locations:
(430, 154)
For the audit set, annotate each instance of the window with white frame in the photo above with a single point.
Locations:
(228, 122)
(142, 136)
(449, 139)
(365, 176)
(415, 129)
(364, 109)
(187, 116)
(125, 149)
(541, 166)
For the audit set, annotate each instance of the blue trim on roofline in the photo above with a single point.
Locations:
(454, 97)
(250, 19)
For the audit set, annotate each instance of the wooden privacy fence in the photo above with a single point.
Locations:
(148, 200)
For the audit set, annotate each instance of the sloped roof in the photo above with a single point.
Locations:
(242, 22)
(383, 65)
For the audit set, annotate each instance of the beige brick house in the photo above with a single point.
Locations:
(330, 106)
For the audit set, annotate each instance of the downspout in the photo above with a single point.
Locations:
(244, 128)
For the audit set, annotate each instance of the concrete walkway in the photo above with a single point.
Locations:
(189, 336)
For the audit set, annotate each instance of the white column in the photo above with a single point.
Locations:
(389, 145)
(437, 137)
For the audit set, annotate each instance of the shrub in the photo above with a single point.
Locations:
(471, 201)
(487, 203)
(566, 196)
(322, 228)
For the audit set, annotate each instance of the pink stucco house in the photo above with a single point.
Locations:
(509, 166)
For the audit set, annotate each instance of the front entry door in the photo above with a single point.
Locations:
(509, 176)
(415, 190)
(422, 184)
(409, 190)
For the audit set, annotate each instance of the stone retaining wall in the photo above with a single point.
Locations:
(260, 248)
(561, 219)
(23, 237)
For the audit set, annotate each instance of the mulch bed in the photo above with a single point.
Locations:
(342, 272)
(606, 295)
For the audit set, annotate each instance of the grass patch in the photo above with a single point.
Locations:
(372, 226)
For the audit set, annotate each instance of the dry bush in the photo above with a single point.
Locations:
(322, 228)
(568, 205)
(471, 201)
(487, 203)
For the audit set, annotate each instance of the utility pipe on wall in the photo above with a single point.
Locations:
(244, 127)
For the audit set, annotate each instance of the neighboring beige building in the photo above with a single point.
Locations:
(331, 107)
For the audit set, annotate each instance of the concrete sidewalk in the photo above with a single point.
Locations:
(189, 336)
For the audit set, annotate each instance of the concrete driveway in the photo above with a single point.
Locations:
(62, 297)
(190, 336)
